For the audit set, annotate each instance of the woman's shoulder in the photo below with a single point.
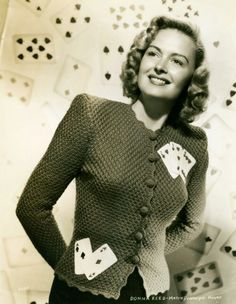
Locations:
(92, 102)
(194, 132)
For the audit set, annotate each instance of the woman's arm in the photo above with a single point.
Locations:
(59, 165)
(188, 223)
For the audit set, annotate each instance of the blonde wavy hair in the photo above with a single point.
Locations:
(192, 100)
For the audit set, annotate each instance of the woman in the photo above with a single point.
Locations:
(140, 175)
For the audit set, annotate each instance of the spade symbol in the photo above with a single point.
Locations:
(217, 280)
(108, 75)
(206, 284)
(87, 19)
(49, 56)
(35, 40)
(29, 49)
(72, 20)
(21, 56)
(196, 280)
(58, 21)
(47, 40)
(78, 6)
(208, 239)
(106, 50)
(228, 102)
(68, 35)
(179, 278)
(120, 49)
(35, 56)
(234, 253)
(202, 270)
(41, 48)
(228, 248)
(232, 93)
(20, 40)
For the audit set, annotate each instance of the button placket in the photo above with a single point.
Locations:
(145, 210)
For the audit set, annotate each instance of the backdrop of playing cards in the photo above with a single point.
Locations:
(52, 50)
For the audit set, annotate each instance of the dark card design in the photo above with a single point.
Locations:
(229, 247)
(73, 19)
(30, 48)
(199, 280)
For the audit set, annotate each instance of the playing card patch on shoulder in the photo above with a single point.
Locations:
(177, 160)
(92, 263)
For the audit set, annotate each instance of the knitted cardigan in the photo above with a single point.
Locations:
(125, 197)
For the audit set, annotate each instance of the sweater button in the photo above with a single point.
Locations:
(150, 182)
(144, 210)
(153, 136)
(135, 259)
(138, 236)
(152, 157)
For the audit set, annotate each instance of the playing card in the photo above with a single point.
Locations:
(100, 260)
(176, 156)
(36, 6)
(128, 16)
(82, 251)
(220, 136)
(34, 48)
(73, 78)
(73, 19)
(167, 155)
(233, 204)
(20, 252)
(197, 281)
(187, 162)
(204, 242)
(113, 51)
(15, 87)
(229, 247)
(37, 297)
(177, 8)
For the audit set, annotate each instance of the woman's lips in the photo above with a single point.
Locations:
(158, 80)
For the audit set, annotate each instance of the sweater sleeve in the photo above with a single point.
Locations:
(188, 223)
(59, 165)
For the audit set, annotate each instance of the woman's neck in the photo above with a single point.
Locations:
(152, 113)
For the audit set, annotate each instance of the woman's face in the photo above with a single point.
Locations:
(167, 65)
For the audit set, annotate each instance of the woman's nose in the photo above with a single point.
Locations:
(160, 67)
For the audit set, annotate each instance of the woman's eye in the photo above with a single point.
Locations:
(152, 53)
(177, 61)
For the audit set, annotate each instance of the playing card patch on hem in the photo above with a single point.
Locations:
(92, 263)
(177, 160)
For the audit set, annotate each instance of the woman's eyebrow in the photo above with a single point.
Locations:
(173, 54)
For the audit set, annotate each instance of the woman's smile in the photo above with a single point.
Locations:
(156, 80)
(167, 65)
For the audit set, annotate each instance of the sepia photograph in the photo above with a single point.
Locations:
(118, 144)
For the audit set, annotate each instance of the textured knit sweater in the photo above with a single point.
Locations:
(125, 196)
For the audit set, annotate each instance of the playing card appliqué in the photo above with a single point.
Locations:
(92, 263)
(177, 160)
